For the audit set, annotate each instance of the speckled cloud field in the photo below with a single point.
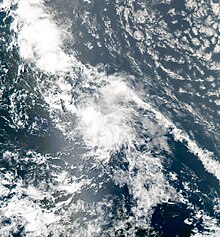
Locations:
(109, 118)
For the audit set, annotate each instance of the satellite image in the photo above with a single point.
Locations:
(109, 118)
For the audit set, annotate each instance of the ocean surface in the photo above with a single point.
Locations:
(109, 118)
